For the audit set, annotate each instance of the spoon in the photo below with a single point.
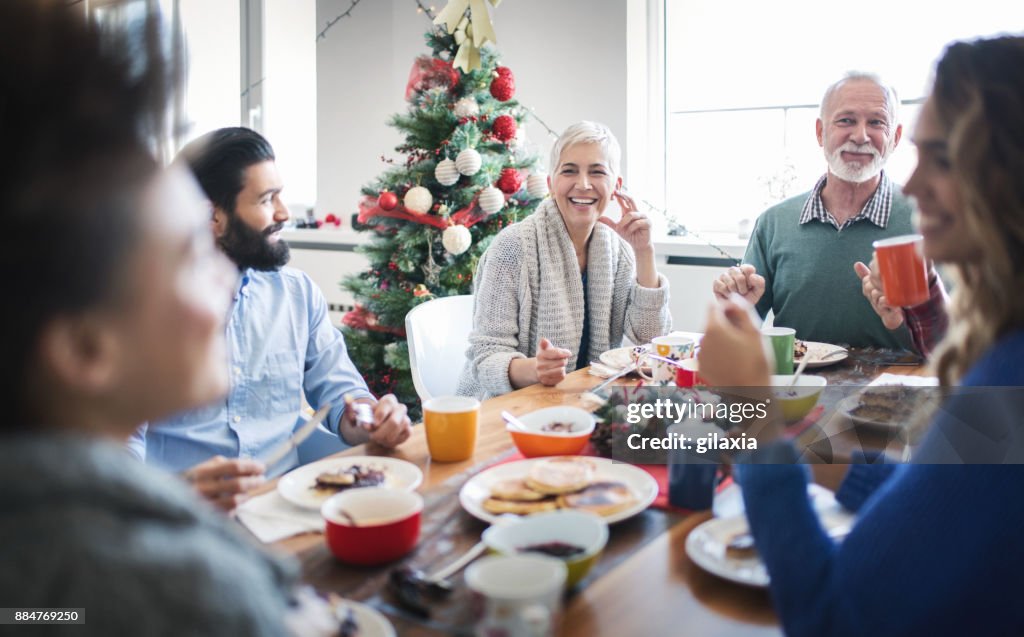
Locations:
(513, 423)
(347, 516)
(800, 370)
(440, 576)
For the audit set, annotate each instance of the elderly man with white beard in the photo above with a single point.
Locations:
(801, 254)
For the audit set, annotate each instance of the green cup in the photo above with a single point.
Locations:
(780, 340)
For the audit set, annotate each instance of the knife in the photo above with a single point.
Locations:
(300, 434)
(625, 370)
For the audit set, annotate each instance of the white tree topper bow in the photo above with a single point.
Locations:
(470, 31)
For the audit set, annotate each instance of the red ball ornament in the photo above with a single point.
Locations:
(503, 87)
(387, 200)
(510, 181)
(504, 127)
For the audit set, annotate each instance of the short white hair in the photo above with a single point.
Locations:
(892, 102)
(588, 133)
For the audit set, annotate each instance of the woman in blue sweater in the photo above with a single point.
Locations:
(936, 548)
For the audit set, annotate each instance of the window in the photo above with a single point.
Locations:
(250, 63)
(743, 81)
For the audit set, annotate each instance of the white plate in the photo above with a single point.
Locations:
(617, 358)
(371, 622)
(296, 486)
(817, 350)
(706, 546)
(850, 404)
(478, 488)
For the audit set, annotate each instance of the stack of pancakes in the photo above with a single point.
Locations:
(559, 483)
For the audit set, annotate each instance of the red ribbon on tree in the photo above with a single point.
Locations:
(468, 216)
(360, 318)
(427, 73)
(369, 208)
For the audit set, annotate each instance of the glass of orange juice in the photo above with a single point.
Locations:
(451, 423)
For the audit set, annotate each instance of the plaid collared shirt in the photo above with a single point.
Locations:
(876, 210)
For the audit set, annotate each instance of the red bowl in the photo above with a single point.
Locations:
(387, 524)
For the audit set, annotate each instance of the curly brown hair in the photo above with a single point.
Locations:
(978, 96)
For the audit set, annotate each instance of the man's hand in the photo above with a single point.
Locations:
(743, 280)
(226, 482)
(390, 427)
(551, 362)
(871, 286)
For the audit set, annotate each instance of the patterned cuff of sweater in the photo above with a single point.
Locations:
(493, 372)
(651, 298)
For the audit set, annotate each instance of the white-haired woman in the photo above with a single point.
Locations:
(567, 283)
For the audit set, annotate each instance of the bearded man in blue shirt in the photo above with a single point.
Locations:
(281, 344)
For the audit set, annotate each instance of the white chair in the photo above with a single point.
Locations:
(438, 336)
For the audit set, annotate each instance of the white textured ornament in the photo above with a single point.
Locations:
(466, 107)
(418, 200)
(446, 173)
(468, 162)
(491, 200)
(456, 239)
(537, 185)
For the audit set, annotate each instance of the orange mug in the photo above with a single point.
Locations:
(451, 424)
(904, 272)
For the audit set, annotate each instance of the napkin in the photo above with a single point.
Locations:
(271, 518)
(900, 379)
(602, 371)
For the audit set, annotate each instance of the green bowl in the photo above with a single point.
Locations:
(797, 401)
(578, 528)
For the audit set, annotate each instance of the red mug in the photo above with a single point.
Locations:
(687, 375)
(904, 272)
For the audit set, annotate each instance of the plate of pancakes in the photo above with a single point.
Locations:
(613, 490)
(310, 485)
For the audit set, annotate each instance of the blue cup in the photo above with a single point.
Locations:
(691, 474)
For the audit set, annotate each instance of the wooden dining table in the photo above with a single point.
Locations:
(644, 583)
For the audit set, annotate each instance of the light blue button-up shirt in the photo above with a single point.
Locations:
(280, 344)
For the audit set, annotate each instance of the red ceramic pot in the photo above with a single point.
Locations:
(387, 524)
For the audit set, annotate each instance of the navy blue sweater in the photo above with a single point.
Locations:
(937, 547)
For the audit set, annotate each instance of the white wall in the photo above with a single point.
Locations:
(327, 256)
(568, 56)
(213, 41)
(290, 96)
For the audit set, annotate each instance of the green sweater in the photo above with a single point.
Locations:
(810, 281)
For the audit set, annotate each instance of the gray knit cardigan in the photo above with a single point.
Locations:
(528, 286)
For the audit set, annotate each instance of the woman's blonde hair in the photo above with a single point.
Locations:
(588, 133)
(978, 95)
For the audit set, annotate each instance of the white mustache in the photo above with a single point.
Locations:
(866, 149)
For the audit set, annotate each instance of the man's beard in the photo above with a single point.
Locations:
(250, 248)
(854, 172)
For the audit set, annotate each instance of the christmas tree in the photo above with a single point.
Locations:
(467, 174)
